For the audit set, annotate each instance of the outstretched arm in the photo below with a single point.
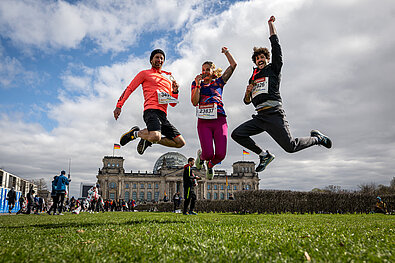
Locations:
(229, 71)
(277, 57)
(272, 29)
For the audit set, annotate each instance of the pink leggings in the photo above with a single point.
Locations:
(209, 131)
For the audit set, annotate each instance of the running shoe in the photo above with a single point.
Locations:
(143, 145)
(185, 213)
(199, 162)
(192, 213)
(264, 161)
(209, 172)
(129, 136)
(322, 139)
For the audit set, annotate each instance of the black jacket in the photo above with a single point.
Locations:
(188, 177)
(271, 71)
(11, 196)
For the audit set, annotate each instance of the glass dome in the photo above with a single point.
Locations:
(171, 160)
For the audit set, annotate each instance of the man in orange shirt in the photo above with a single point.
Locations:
(158, 92)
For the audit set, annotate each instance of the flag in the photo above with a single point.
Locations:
(245, 152)
(117, 146)
(226, 181)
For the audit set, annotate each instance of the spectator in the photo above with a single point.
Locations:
(190, 181)
(176, 201)
(54, 197)
(22, 205)
(11, 197)
(30, 200)
(380, 207)
(61, 191)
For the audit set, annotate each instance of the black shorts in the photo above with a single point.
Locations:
(156, 120)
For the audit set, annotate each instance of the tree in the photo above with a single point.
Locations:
(333, 188)
(368, 188)
(41, 184)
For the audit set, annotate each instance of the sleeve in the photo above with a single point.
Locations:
(277, 57)
(221, 82)
(132, 87)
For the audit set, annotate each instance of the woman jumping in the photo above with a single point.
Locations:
(206, 94)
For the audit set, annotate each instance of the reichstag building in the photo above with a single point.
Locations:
(166, 180)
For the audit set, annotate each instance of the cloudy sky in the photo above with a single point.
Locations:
(64, 64)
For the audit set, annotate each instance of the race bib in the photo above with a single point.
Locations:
(208, 111)
(165, 98)
(260, 86)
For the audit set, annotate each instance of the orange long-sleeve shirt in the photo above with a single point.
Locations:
(152, 81)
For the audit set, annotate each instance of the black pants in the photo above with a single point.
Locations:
(59, 203)
(273, 121)
(55, 200)
(10, 206)
(190, 198)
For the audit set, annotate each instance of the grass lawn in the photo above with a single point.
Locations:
(168, 237)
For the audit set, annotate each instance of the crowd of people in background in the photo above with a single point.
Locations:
(94, 203)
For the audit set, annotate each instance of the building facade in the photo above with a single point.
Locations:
(20, 185)
(166, 180)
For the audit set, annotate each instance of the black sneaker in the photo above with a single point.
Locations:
(322, 139)
(129, 136)
(143, 145)
(264, 161)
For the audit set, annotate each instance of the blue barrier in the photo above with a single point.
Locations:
(4, 202)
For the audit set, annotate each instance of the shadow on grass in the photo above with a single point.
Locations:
(89, 224)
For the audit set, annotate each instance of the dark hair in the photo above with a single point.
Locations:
(62, 172)
(258, 51)
(191, 159)
(155, 52)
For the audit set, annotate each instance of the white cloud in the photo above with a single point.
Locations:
(111, 25)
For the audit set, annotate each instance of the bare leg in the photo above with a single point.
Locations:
(176, 142)
(156, 137)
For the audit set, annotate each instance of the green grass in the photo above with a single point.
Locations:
(168, 237)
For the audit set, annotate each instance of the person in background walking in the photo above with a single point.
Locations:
(54, 197)
(30, 200)
(11, 197)
(190, 181)
(61, 191)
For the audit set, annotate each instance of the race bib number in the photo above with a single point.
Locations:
(165, 98)
(260, 86)
(208, 111)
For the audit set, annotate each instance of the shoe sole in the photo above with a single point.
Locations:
(264, 167)
(315, 133)
(141, 146)
(126, 137)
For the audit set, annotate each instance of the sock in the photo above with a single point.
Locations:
(136, 134)
(210, 165)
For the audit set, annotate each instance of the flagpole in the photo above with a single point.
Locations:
(68, 186)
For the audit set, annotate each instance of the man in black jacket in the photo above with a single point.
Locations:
(264, 93)
(190, 181)
(30, 200)
(11, 197)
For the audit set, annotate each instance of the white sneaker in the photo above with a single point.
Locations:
(199, 162)
(209, 172)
